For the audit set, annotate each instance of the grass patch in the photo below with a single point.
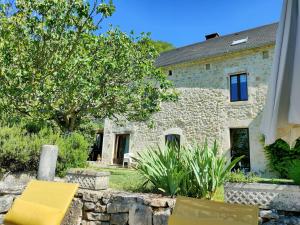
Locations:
(124, 179)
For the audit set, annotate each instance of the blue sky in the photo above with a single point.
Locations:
(183, 22)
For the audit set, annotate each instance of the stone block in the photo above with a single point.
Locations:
(89, 206)
(266, 196)
(140, 215)
(74, 214)
(92, 216)
(100, 208)
(89, 179)
(5, 203)
(119, 219)
(47, 164)
(160, 217)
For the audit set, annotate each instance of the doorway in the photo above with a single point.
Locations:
(96, 152)
(121, 147)
(239, 138)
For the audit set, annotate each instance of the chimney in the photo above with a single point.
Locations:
(211, 36)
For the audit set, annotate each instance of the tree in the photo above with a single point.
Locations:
(162, 46)
(55, 66)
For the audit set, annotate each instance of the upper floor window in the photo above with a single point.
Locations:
(238, 87)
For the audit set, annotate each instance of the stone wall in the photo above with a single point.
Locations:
(104, 207)
(204, 110)
(121, 208)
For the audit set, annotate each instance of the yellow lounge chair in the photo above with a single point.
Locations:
(203, 212)
(41, 203)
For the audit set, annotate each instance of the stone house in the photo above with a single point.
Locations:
(222, 83)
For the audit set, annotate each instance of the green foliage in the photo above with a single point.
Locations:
(240, 177)
(55, 66)
(209, 170)
(162, 46)
(164, 168)
(280, 155)
(294, 171)
(193, 171)
(20, 150)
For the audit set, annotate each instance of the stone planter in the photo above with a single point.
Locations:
(88, 179)
(266, 196)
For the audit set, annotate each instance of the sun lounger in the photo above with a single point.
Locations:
(203, 212)
(41, 203)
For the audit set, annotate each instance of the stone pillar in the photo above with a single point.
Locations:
(47, 164)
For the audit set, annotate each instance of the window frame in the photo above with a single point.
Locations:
(239, 93)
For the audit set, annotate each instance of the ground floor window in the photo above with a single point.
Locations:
(172, 140)
(121, 147)
(239, 138)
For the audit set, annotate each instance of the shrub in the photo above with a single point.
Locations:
(209, 170)
(192, 171)
(280, 155)
(294, 171)
(20, 150)
(163, 168)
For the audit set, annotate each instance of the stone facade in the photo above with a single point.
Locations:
(204, 110)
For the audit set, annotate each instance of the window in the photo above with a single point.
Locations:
(238, 88)
(172, 140)
(207, 66)
(240, 41)
(239, 138)
(170, 72)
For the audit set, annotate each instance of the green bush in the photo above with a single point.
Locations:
(20, 149)
(294, 171)
(192, 171)
(280, 155)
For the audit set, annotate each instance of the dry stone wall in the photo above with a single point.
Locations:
(123, 208)
(104, 207)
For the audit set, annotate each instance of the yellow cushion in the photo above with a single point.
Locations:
(57, 195)
(25, 213)
(42, 203)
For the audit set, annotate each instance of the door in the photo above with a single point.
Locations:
(121, 147)
(239, 138)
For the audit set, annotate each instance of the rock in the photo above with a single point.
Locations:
(90, 196)
(97, 216)
(89, 206)
(119, 219)
(12, 189)
(5, 203)
(100, 208)
(140, 215)
(74, 214)
(120, 205)
(269, 214)
(1, 218)
(160, 217)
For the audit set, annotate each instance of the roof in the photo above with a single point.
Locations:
(257, 37)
